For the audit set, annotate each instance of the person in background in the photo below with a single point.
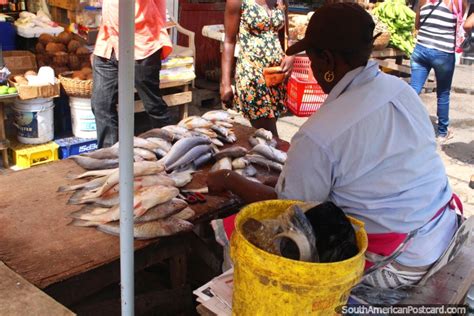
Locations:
(370, 150)
(256, 23)
(436, 26)
(152, 44)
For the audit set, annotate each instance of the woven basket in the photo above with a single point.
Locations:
(75, 87)
(381, 42)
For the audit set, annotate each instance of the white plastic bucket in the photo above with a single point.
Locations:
(83, 120)
(34, 120)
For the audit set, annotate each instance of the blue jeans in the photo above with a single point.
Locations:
(105, 95)
(422, 60)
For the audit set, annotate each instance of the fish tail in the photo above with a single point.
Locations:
(108, 230)
(83, 223)
(66, 188)
(83, 211)
(78, 197)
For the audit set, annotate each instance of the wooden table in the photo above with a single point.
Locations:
(70, 263)
(3, 138)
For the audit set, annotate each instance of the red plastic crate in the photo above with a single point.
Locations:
(305, 95)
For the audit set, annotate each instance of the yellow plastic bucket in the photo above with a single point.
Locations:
(266, 284)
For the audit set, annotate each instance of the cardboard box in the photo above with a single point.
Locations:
(33, 92)
(19, 61)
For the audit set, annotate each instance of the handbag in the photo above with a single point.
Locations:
(468, 44)
(460, 36)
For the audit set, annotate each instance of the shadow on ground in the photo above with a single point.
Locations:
(463, 152)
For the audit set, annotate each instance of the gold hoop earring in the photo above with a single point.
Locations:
(329, 76)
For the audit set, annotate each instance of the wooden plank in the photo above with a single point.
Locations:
(170, 99)
(389, 63)
(36, 240)
(174, 84)
(19, 297)
(64, 4)
(450, 284)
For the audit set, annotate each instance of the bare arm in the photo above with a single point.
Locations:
(231, 27)
(469, 23)
(417, 19)
(249, 191)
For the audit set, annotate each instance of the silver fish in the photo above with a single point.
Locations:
(190, 156)
(145, 154)
(267, 163)
(270, 153)
(223, 123)
(217, 142)
(221, 130)
(217, 115)
(139, 169)
(263, 133)
(201, 161)
(195, 122)
(248, 171)
(206, 132)
(177, 130)
(159, 133)
(163, 210)
(143, 201)
(89, 185)
(182, 178)
(240, 163)
(231, 138)
(163, 144)
(149, 230)
(254, 141)
(222, 164)
(93, 164)
(103, 153)
(231, 152)
(185, 214)
(181, 147)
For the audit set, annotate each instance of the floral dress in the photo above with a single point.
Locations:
(259, 48)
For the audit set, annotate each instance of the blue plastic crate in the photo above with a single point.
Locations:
(71, 146)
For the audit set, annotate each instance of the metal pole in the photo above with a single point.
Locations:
(126, 75)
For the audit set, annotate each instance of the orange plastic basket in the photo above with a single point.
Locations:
(305, 95)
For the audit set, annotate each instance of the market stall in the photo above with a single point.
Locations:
(70, 263)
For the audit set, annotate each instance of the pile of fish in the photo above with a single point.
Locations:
(165, 159)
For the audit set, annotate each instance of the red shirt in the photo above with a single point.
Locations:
(150, 34)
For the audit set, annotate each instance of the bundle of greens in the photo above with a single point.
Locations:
(400, 20)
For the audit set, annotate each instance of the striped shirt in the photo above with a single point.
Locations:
(439, 30)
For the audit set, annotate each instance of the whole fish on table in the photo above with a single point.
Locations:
(181, 147)
(231, 138)
(248, 171)
(231, 152)
(263, 133)
(222, 164)
(206, 132)
(270, 153)
(240, 163)
(164, 210)
(195, 122)
(254, 141)
(158, 228)
(185, 214)
(217, 115)
(142, 201)
(223, 123)
(92, 173)
(178, 131)
(217, 142)
(193, 154)
(264, 162)
(107, 198)
(159, 133)
(201, 161)
(89, 185)
(181, 178)
(93, 164)
(221, 130)
(139, 169)
(163, 144)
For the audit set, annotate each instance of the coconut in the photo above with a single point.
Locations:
(45, 39)
(39, 48)
(61, 47)
(64, 37)
(86, 70)
(73, 46)
(43, 60)
(78, 75)
(74, 62)
(82, 51)
(60, 58)
(52, 48)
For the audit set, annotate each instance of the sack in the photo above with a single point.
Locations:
(460, 34)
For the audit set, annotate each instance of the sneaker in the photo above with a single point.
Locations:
(441, 139)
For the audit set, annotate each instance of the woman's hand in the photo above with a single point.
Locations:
(287, 65)
(227, 95)
(216, 181)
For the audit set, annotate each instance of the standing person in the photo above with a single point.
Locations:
(256, 23)
(371, 150)
(152, 44)
(436, 26)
